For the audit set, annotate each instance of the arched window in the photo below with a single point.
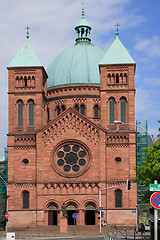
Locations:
(48, 114)
(25, 81)
(96, 111)
(63, 108)
(25, 195)
(111, 110)
(117, 78)
(58, 110)
(125, 78)
(118, 198)
(123, 109)
(82, 108)
(76, 107)
(30, 113)
(82, 32)
(20, 113)
(109, 78)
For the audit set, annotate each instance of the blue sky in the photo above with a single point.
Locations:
(52, 26)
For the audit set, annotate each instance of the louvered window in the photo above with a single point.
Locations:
(111, 110)
(25, 199)
(20, 113)
(123, 109)
(31, 112)
(96, 111)
(82, 108)
(118, 198)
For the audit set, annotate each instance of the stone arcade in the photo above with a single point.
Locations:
(63, 145)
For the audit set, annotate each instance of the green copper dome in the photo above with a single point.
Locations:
(77, 64)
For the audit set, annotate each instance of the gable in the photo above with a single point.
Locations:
(71, 120)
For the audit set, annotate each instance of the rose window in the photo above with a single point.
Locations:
(71, 159)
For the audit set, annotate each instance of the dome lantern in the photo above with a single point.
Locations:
(83, 30)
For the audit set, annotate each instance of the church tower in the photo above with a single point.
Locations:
(117, 97)
(117, 93)
(27, 113)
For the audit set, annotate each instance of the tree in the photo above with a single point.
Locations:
(149, 170)
(158, 129)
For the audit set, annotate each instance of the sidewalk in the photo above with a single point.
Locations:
(80, 232)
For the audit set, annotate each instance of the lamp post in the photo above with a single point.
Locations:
(6, 200)
(119, 122)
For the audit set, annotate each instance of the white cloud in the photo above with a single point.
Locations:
(150, 46)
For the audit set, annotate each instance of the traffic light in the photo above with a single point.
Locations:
(128, 185)
(102, 214)
(98, 215)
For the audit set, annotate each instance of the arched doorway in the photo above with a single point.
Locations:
(90, 214)
(71, 209)
(52, 214)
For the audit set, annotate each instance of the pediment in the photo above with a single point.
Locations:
(73, 121)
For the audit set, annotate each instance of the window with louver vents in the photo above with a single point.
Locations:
(118, 198)
(31, 112)
(20, 113)
(111, 110)
(123, 109)
(25, 199)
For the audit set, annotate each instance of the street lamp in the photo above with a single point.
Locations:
(6, 199)
(119, 122)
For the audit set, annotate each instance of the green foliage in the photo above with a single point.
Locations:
(158, 129)
(149, 170)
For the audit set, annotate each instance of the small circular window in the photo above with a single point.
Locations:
(118, 159)
(70, 159)
(25, 161)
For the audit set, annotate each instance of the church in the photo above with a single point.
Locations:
(64, 144)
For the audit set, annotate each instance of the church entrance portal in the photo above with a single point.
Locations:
(90, 213)
(52, 217)
(90, 217)
(70, 218)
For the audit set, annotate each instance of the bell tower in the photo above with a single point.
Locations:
(27, 91)
(117, 93)
(117, 97)
(27, 111)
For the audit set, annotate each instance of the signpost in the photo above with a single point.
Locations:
(7, 215)
(155, 202)
(74, 217)
(154, 187)
(100, 208)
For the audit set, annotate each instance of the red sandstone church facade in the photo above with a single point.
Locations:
(63, 144)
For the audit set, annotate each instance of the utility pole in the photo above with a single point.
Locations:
(100, 200)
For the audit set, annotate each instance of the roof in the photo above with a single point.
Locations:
(26, 57)
(117, 54)
(77, 64)
(83, 22)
